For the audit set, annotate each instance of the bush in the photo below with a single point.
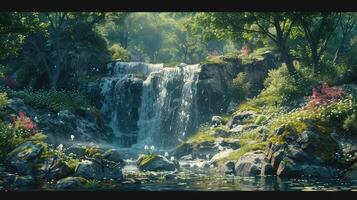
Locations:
(53, 100)
(119, 53)
(350, 124)
(3, 100)
(240, 87)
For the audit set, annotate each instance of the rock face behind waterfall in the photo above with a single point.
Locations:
(148, 104)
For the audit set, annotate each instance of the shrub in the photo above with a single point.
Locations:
(350, 124)
(53, 100)
(323, 94)
(119, 53)
(8, 139)
(3, 100)
(25, 124)
(240, 87)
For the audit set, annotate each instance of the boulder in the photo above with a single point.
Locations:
(221, 133)
(351, 173)
(156, 163)
(16, 105)
(186, 157)
(267, 169)
(217, 121)
(24, 181)
(55, 169)
(94, 169)
(236, 129)
(222, 154)
(288, 168)
(71, 183)
(77, 150)
(229, 167)
(115, 156)
(239, 118)
(22, 158)
(305, 138)
(276, 158)
(250, 163)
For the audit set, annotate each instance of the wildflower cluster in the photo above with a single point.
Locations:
(324, 94)
(22, 122)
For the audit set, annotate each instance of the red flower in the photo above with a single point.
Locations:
(323, 94)
(25, 122)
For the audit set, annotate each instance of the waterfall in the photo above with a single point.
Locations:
(147, 104)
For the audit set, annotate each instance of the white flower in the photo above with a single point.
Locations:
(60, 147)
(72, 137)
(172, 158)
(152, 147)
(166, 154)
(207, 156)
(36, 119)
(49, 114)
(146, 147)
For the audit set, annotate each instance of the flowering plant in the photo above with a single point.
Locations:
(323, 94)
(23, 122)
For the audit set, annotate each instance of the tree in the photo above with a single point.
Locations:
(274, 26)
(318, 29)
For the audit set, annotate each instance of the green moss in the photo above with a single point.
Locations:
(145, 159)
(214, 60)
(243, 150)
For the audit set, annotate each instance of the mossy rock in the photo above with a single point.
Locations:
(153, 162)
(71, 183)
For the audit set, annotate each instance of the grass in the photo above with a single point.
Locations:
(243, 150)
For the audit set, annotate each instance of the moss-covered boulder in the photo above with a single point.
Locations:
(351, 173)
(155, 162)
(23, 158)
(250, 163)
(71, 183)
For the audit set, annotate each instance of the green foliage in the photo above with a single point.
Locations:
(240, 87)
(261, 120)
(119, 53)
(350, 124)
(145, 159)
(53, 100)
(3, 100)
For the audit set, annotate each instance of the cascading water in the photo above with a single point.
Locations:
(147, 104)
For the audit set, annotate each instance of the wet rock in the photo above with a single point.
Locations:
(71, 183)
(305, 138)
(23, 181)
(217, 121)
(348, 148)
(288, 168)
(238, 118)
(267, 169)
(67, 117)
(221, 133)
(156, 163)
(250, 163)
(223, 154)
(94, 169)
(187, 157)
(77, 150)
(16, 105)
(55, 169)
(276, 158)
(236, 129)
(88, 169)
(316, 171)
(351, 173)
(21, 159)
(115, 156)
(229, 167)
(230, 144)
